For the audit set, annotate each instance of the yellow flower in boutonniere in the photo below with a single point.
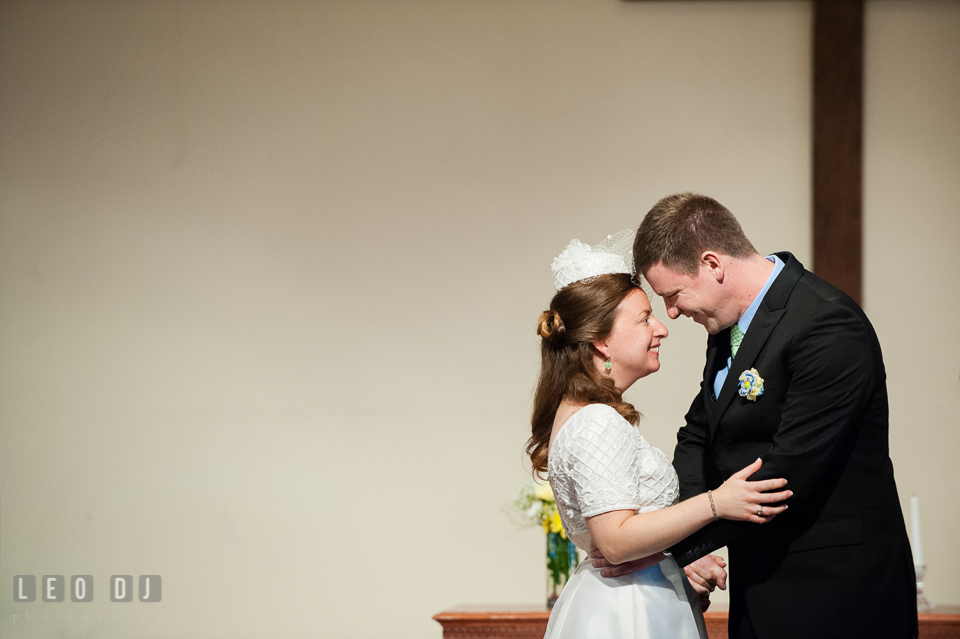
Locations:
(751, 385)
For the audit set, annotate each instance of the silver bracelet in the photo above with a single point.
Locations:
(712, 507)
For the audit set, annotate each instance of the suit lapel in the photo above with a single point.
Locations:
(760, 328)
(769, 313)
(718, 349)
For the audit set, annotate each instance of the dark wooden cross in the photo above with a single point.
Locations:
(837, 142)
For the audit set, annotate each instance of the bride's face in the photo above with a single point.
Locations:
(634, 344)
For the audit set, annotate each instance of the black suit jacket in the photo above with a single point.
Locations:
(837, 563)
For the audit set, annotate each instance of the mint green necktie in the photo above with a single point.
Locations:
(736, 336)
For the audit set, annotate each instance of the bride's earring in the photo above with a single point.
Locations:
(607, 367)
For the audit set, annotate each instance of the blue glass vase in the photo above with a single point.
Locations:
(562, 560)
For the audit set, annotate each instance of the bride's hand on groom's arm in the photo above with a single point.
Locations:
(740, 499)
(611, 570)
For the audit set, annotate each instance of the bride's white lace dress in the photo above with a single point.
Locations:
(599, 463)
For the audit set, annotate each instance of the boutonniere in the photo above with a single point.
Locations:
(751, 384)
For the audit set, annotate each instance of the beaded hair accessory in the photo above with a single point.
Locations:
(580, 261)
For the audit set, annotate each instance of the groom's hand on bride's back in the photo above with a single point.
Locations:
(611, 570)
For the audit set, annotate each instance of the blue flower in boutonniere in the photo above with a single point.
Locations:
(751, 384)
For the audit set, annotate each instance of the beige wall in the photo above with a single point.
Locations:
(911, 276)
(269, 274)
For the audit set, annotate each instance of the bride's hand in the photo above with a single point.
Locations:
(742, 500)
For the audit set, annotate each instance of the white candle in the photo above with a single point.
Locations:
(915, 532)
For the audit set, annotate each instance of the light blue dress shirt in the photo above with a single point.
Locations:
(745, 320)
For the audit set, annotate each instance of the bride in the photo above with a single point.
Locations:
(614, 491)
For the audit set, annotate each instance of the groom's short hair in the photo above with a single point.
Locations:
(679, 228)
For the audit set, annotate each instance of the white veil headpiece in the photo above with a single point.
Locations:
(580, 261)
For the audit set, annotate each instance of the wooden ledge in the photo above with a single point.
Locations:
(530, 622)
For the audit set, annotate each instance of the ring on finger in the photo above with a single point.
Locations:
(760, 511)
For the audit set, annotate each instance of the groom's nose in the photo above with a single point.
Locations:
(673, 312)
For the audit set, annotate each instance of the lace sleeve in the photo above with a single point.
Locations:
(606, 469)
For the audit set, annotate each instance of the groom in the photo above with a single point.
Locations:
(837, 563)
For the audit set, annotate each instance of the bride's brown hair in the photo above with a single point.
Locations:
(580, 314)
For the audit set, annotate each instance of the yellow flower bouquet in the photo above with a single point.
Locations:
(536, 507)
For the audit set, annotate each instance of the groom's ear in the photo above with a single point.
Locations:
(714, 265)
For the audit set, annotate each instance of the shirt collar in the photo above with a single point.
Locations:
(747, 317)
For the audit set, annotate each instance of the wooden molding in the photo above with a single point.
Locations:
(530, 622)
(838, 143)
